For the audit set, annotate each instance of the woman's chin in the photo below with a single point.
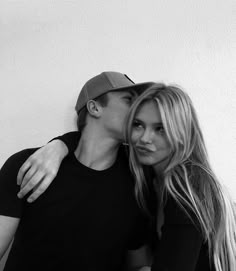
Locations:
(146, 161)
(151, 161)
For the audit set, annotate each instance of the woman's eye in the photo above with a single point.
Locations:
(160, 129)
(137, 124)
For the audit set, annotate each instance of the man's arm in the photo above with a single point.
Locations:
(8, 226)
(40, 169)
(11, 208)
(139, 259)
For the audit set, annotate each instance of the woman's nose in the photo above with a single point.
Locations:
(146, 137)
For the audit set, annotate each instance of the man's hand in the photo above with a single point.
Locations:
(139, 260)
(145, 268)
(40, 169)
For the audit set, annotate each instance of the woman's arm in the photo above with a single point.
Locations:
(40, 169)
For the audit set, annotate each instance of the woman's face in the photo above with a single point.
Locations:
(148, 136)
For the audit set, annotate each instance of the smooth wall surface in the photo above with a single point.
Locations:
(49, 49)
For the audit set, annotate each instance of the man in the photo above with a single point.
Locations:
(88, 218)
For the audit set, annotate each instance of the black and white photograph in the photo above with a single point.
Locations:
(118, 135)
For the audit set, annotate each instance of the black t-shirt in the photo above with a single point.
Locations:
(86, 219)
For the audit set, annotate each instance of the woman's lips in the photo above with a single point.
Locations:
(144, 150)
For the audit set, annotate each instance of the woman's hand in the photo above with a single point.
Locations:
(40, 169)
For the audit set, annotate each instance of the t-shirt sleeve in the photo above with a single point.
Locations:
(180, 243)
(10, 204)
(70, 139)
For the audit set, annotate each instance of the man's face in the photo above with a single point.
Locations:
(115, 112)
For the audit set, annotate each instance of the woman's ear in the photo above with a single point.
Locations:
(94, 108)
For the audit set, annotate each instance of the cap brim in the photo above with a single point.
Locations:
(139, 88)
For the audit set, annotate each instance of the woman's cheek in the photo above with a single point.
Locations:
(134, 137)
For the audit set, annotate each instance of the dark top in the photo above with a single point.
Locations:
(85, 220)
(181, 247)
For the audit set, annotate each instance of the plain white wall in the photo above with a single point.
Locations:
(49, 49)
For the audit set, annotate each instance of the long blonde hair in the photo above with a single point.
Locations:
(188, 177)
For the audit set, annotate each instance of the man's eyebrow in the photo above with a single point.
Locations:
(129, 93)
(133, 92)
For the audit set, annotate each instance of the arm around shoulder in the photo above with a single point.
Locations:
(41, 168)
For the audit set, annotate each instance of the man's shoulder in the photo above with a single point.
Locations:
(10, 204)
(18, 158)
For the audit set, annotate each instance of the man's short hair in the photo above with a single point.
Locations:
(82, 114)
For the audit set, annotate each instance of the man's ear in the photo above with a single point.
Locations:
(94, 108)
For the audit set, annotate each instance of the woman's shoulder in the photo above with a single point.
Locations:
(178, 213)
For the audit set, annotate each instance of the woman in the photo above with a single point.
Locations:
(195, 223)
(163, 133)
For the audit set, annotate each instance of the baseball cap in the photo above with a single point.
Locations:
(105, 82)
